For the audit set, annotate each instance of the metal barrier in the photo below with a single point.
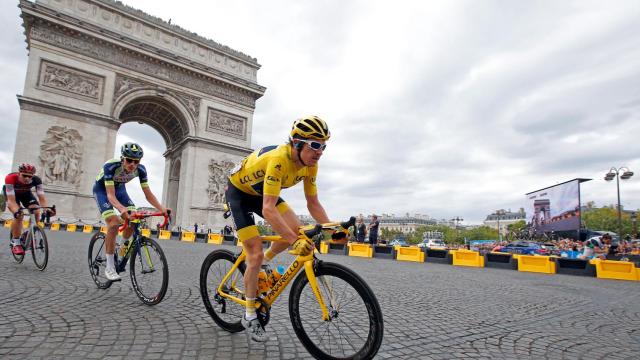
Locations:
(536, 264)
(466, 258)
(579, 267)
(618, 270)
(440, 256)
(360, 250)
(500, 261)
(384, 252)
(409, 253)
(214, 239)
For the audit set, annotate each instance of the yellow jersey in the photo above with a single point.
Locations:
(270, 169)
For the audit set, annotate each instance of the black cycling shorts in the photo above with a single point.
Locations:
(243, 206)
(23, 199)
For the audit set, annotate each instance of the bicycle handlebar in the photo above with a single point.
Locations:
(33, 209)
(143, 215)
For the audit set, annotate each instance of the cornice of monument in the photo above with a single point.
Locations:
(177, 29)
(33, 13)
(209, 144)
(55, 109)
(139, 16)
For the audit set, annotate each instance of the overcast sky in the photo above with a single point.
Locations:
(447, 108)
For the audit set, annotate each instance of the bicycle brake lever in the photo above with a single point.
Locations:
(313, 232)
(349, 223)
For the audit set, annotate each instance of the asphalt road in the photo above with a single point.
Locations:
(431, 311)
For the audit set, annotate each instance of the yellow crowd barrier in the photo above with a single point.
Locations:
(164, 235)
(618, 270)
(409, 253)
(146, 232)
(360, 250)
(71, 227)
(214, 239)
(41, 224)
(466, 258)
(188, 236)
(536, 264)
(87, 228)
(324, 247)
(7, 223)
(103, 229)
(25, 223)
(55, 226)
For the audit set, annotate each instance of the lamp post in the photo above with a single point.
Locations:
(457, 219)
(634, 222)
(499, 213)
(624, 174)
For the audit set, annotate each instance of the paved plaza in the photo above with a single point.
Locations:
(431, 311)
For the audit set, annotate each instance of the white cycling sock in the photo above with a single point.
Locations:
(15, 242)
(110, 262)
(250, 312)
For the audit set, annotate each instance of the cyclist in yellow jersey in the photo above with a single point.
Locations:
(254, 188)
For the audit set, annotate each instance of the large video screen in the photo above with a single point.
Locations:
(556, 208)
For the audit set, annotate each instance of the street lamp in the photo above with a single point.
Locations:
(624, 174)
(499, 213)
(457, 219)
(634, 221)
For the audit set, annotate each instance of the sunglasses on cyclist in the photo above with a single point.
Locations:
(26, 176)
(132, 161)
(317, 146)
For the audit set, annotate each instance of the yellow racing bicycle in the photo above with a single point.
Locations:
(334, 313)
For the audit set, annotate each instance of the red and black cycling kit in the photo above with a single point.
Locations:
(22, 191)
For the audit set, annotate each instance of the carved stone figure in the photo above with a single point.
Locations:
(63, 79)
(219, 171)
(60, 154)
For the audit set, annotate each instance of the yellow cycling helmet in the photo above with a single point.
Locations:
(310, 127)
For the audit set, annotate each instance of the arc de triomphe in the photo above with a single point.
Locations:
(96, 64)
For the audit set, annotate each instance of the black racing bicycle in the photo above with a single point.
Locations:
(33, 238)
(149, 271)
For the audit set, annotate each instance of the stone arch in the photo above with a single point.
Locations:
(159, 109)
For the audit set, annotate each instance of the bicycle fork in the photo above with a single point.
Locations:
(313, 283)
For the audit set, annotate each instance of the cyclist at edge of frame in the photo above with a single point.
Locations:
(110, 192)
(254, 188)
(17, 190)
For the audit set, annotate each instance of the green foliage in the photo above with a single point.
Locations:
(3, 201)
(606, 218)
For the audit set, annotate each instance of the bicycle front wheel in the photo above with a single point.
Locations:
(225, 312)
(149, 272)
(39, 248)
(98, 261)
(355, 328)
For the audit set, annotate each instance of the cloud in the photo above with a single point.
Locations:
(442, 108)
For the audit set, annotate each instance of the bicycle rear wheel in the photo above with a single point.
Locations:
(98, 261)
(18, 258)
(355, 328)
(149, 272)
(39, 248)
(226, 313)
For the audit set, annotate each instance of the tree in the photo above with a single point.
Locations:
(3, 202)
(606, 218)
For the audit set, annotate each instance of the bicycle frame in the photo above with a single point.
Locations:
(134, 244)
(296, 266)
(33, 222)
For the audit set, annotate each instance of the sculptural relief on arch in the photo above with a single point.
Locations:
(96, 64)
